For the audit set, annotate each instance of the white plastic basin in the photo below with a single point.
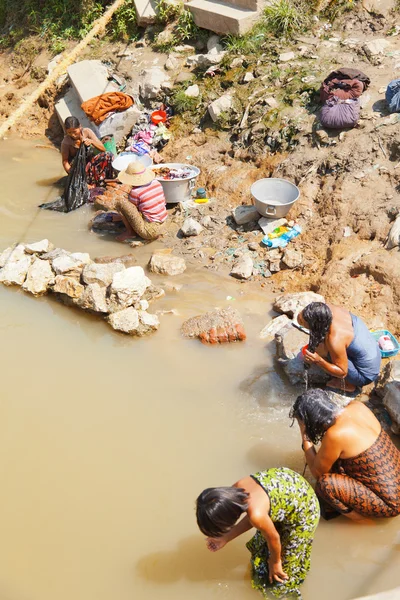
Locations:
(274, 197)
(125, 158)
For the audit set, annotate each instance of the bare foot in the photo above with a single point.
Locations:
(338, 385)
(123, 236)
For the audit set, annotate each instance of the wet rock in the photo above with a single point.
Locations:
(12, 254)
(191, 227)
(152, 82)
(391, 398)
(128, 286)
(288, 351)
(292, 304)
(275, 326)
(394, 235)
(101, 273)
(128, 260)
(153, 293)
(39, 277)
(68, 286)
(126, 321)
(193, 91)
(94, 299)
(165, 263)
(69, 264)
(245, 214)
(286, 56)
(216, 327)
(14, 271)
(147, 323)
(292, 258)
(39, 247)
(375, 47)
(243, 268)
(222, 104)
(173, 288)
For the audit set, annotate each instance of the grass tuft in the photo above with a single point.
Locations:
(286, 17)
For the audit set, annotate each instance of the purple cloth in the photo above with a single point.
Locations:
(340, 114)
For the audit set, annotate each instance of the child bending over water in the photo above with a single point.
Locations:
(283, 508)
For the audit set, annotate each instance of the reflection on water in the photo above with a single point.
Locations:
(106, 441)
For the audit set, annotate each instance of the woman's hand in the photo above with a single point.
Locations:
(215, 544)
(87, 142)
(276, 572)
(312, 358)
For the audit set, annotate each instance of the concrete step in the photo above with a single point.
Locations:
(222, 17)
(70, 106)
(145, 12)
(89, 78)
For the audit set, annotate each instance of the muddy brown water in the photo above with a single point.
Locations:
(105, 441)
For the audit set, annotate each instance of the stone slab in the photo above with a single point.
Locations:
(146, 12)
(222, 17)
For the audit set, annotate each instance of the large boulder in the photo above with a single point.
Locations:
(101, 273)
(14, 271)
(289, 343)
(215, 327)
(128, 286)
(293, 304)
(165, 263)
(39, 277)
(275, 326)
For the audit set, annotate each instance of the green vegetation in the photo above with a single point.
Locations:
(286, 17)
(182, 103)
(336, 8)
(57, 21)
(166, 11)
(181, 26)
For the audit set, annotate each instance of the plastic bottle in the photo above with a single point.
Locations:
(283, 240)
(278, 232)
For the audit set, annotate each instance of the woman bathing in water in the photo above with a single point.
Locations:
(284, 509)
(357, 466)
(98, 167)
(341, 345)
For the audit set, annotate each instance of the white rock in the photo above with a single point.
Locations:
(243, 268)
(101, 273)
(205, 60)
(171, 64)
(193, 91)
(152, 81)
(245, 214)
(286, 56)
(12, 254)
(213, 44)
(39, 247)
(14, 272)
(222, 104)
(69, 286)
(271, 102)
(83, 257)
(143, 304)
(274, 327)
(126, 320)
(68, 264)
(268, 225)
(394, 235)
(237, 62)
(248, 77)
(292, 304)
(375, 47)
(39, 277)
(94, 299)
(166, 264)
(292, 258)
(128, 286)
(191, 227)
(148, 322)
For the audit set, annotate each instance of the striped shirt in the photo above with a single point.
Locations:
(150, 201)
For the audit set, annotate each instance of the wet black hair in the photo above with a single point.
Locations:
(71, 123)
(218, 509)
(319, 319)
(317, 411)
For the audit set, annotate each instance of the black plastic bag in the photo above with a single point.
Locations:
(76, 190)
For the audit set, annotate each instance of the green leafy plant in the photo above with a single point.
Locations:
(123, 25)
(336, 8)
(182, 103)
(286, 17)
(186, 28)
(167, 11)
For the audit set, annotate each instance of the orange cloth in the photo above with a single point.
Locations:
(97, 108)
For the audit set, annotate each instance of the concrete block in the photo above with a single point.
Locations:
(70, 106)
(145, 12)
(89, 78)
(222, 17)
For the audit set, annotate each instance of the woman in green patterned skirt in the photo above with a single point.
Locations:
(283, 508)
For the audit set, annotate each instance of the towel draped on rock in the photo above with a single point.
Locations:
(98, 108)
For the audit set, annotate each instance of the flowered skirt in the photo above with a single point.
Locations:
(99, 168)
